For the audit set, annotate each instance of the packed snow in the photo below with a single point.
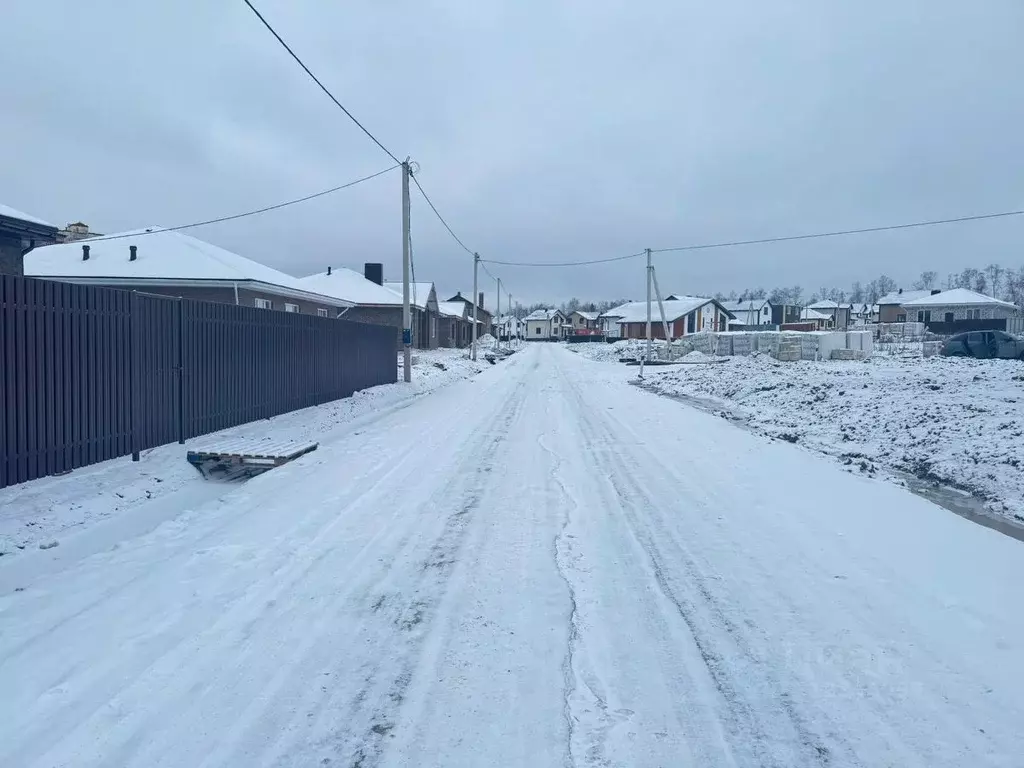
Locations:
(541, 565)
(95, 506)
(951, 421)
(13, 213)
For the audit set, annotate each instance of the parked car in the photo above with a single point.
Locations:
(984, 344)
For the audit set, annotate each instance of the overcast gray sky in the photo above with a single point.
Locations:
(545, 130)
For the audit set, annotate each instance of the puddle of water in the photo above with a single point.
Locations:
(967, 506)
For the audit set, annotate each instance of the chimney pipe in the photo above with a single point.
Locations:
(85, 253)
(480, 300)
(328, 271)
(936, 290)
(133, 252)
(374, 272)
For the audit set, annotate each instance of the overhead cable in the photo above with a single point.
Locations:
(246, 213)
(317, 81)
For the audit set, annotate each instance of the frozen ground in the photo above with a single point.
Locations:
(541, 565)
(956, 422)
(96, 506)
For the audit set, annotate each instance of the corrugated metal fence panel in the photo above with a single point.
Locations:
(80, 366)
(158, 325)
(63, 371)
(241, 364)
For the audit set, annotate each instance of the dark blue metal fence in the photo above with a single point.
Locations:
(89, 374)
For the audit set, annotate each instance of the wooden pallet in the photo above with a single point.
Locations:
(237, 458)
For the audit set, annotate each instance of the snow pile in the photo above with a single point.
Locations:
(956, 422)
(121, 495)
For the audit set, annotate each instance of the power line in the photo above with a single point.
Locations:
(838, 233)
(247, 213)
(439, 216)
(787, 238)
(317, 81)
(561, 263)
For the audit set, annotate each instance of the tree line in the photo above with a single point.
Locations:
(1004, 283)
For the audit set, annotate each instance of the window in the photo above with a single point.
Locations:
(321, 312)
(924, 316)
(263, 303)
(291, 307)
(538, 330)
(975, 314)
(766, 311)
(901, 318)
(433, 327)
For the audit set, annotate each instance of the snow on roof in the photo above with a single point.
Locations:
(737, 321)
(810, 314)
(827, 304)
(543, 314)
(744, 305)
(347, 284)
(419, 293)
(636, 311)
(955, 296)
(900, 298)
(616, 311)
(586, 315)
(452, 308)
(12, 213)
(161, 254)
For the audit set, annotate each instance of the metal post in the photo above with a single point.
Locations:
(476, 267)
(406, 309)
(648, 353)
(135, 395)
(498, 310)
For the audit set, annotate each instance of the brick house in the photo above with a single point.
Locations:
(684, 314)
(485, 319)
(890, 306)
(170, 263)
(960, 309)
(454, 325)
(20, 233)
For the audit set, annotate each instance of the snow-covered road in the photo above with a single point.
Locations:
(540, 566)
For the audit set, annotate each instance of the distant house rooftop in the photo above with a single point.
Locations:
(902, 297)
(956, 297)
(351, 286)
(160, 257)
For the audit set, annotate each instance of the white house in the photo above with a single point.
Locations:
(821, 320)
(684, 315)
(864, 314)
(545, 325)
(749, 311)
(511, 327)
(609, 322)
(961, 309)
(839, 313)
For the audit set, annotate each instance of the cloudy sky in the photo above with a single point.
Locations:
(546, 130)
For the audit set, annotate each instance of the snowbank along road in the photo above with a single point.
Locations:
(541, 566)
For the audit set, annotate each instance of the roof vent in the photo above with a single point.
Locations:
(936, 290)
(328, 271)
(133, 252)
(85, 253)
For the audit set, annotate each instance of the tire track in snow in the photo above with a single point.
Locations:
(750, 721)
(415, 614)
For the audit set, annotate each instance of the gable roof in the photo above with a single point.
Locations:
(545, 314)
(419, 293)
(13, 213)
(161, 255)
(636, 311)
(829, 304)
(615, 311)
(812, 314)
(585, 315)
(956, 296)
(899, 298)
(351, 286)
(744, 305)
(453, 308)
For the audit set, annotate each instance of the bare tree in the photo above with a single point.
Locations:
(927, 281)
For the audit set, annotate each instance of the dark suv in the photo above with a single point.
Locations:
(984, 344)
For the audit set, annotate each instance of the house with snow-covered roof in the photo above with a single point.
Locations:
(684, 315)
(839, 312)
(19, 234)
(960, 309)
(546, 325)
(455, 324)
(582, 320)
(608, 321)
(171, 263)
(890, 306)
(373, 301)
(749, 312)
(819, 319)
